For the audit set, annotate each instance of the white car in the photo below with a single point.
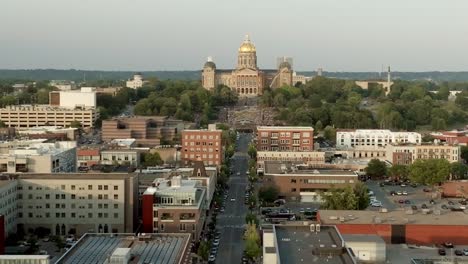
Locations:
(376, 204)
(371, 193)
(233, 199)
(238, 174)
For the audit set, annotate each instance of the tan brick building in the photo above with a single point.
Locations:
(406, 154)
(147, 130)
(270, 138)
(174, 206)
(203, 144)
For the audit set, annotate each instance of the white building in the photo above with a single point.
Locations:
(8, 204)
(121, 156)
(24, 259)
(85, 97)
(63, 85)
(136, 82)
(374, 137)
(39, 157)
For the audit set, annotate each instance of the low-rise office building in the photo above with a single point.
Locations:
(136, 82)
(301, 183)
(40, 158)
(45, 115)
(350, 138)
(174, 206)
(87, 157)
(48, 132)
(405, 154)
(316, 158)
(80, 203)
(121, 156)
(271, 138)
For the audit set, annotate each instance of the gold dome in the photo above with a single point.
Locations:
(247, 46)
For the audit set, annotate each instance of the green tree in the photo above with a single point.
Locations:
(398, 172)
(362, 196)
(252, 151)
(342, 199)
(204, 250)
(252, 241)
(318, 125)
(329, 133)
(430, 171)
(152, 159)
(458, 171)
(268, 193)
(464, 153)
(251, 218)
(376, 169)
(76, 124)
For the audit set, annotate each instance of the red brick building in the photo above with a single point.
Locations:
(205, 145)
(86, 157)
(270, 138)
(398, 227)
(174, 206)
(453, 137)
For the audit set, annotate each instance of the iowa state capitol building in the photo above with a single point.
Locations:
(247, 79)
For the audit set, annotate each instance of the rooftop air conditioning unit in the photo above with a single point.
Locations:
(317, 228)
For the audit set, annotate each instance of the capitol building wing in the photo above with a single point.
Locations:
(247, 79)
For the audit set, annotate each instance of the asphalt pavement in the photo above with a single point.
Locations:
(231, 223)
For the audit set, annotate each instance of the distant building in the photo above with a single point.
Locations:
(174, 206)
(386, 85)
(128, 248)
(40, 158)
(85, 98)
(454, 137)
(271, 138)
(108, 90)
(247, 79)
(136, 82)
(49, 132)
(63, 85)
(374, 138)
(23, 116)
(9, 209)
(301, 183)
(203, 144)
(21, 259)
(316, 158)
(148, 131)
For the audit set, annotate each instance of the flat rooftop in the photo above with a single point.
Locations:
(289, 168)
(335, 217)
(151, 248)
(297, 244)
(282, 128)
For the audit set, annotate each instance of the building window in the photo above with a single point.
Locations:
(73, 196)
(90, 196)
(63, 196)
(182, 227)
(162, 227)
(57, 196)
(47, 196)
(116, 196)
(106, 187)
(90, 215)
(73, 187)
(116, 206)
(116, 215)
(90, 187)
(293, 180)
(90, 206)
(62, 187)
(116, 188)
(293, 190)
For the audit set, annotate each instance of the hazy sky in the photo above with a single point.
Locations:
(338, 35)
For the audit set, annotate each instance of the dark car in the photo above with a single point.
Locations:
(432, 201)
(414, 185)
(382, 184)
(458, 252)
(444, 207)
(463, 202)
(424, 206)
(414, 207)
(407, 202)
(442, 252)
(426, 190)
(393, 193)
(448, 244)
(451, 203)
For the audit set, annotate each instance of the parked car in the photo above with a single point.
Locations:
(458, 252)
(444, 207)
(399, 192)
(376, 204)
(414, 185)
(441, 252)
(424, 206)
(426, 190)
(432, 201)
(451, 203)
(407, 201)
(382, 184)
(403, 185)
(448, 244)
(405, 193)
(392, 193)
(414, 207)
(465, 252)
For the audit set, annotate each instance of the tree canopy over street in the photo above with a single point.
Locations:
(430, 171)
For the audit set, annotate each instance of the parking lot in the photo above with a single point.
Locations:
(415, 196)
